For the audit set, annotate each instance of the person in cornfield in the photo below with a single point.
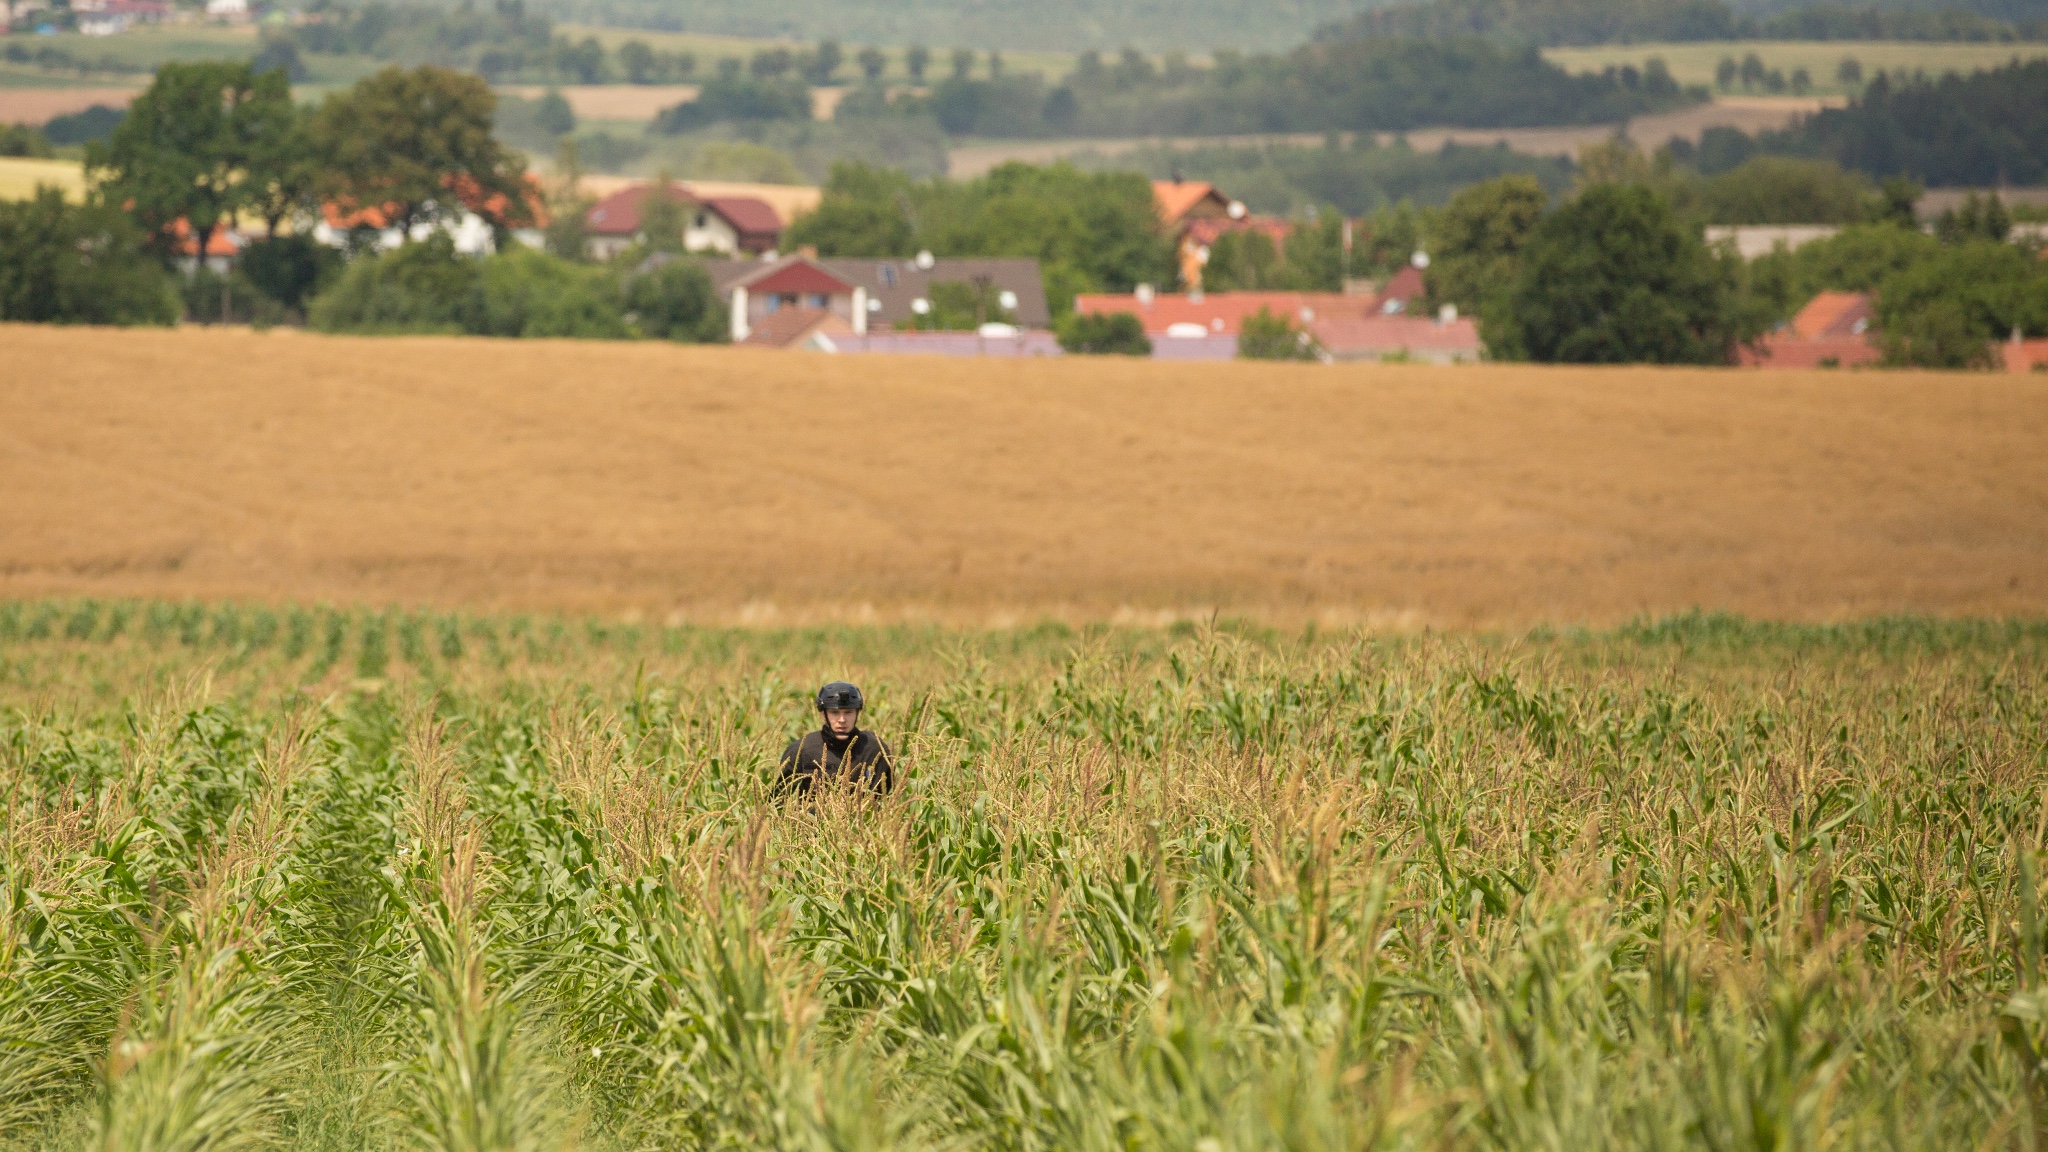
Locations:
(840, 751)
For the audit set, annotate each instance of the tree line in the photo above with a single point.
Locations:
(1617, 273)
(405, 152)
(1346, 85)
(1551, 23)
(1988, 128)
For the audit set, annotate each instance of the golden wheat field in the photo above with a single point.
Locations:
(720, 484)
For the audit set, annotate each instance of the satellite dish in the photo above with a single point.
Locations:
(925, 261)
(1420, 259)
(1008, 300)
(920, 306)
(1237, 209)
(874, 305)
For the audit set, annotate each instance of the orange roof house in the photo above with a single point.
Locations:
(1834, 314)
(1180, 201)
(1834, 330)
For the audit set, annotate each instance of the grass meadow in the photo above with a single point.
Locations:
(324, 879)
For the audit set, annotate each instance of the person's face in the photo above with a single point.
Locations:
(840, 720)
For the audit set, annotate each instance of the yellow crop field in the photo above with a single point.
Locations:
(19, 177)
(724, 484)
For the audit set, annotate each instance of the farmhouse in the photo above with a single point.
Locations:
(1196, 214)
(1834, 330)
(728, 225)
(897, 288)
(758, 290)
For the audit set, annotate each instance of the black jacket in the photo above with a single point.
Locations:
(861, 758)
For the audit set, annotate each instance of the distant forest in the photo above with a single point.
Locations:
(1331, 86)
(1548, 23)
(1059, 25)
(1982, 130)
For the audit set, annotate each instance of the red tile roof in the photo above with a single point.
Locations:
(786, 326)
(1344, 336)
(2026, 355)
(748, 217)
(1221, 313)
(796, 276)
(1834, 314)
(1784, 351)
(619, 213)
(1176, 198)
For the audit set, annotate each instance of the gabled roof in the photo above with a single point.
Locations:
(786, 327)
(1834, 314)
(1404, 286)
(748, 217)
(619, 213)
(895, 283)
(790, 274)
(1176, 198)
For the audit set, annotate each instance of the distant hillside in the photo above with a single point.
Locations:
(1065, 25)
(1552, 23)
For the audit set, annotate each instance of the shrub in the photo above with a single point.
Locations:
(290, 269)
(428, 287)
(417, 288)
(527, 293)
(1102, 334)
(67, 264)
(1266, 336)
(677, 302)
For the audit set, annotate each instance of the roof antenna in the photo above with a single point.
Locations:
(1176, 173)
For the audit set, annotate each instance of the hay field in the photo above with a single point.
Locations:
(720, 484)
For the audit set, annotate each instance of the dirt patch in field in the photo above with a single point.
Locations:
(732, 484)
(41, 105)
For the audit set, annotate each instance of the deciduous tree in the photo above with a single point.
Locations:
(185, 149)
(1613, 277)
(418, 145)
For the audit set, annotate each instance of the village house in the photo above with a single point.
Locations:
(1196, 214)
(897, 289)
(1834, 330)
(848, 305)
(726, 225)
(1382, 325)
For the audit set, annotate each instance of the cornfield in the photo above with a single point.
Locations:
(362, 879)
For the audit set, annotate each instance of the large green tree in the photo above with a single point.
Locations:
(418, 145)
(1613, 277)
(1479, 237)
(186, 147)
(1947, 310)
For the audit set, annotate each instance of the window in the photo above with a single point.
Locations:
(702, 219)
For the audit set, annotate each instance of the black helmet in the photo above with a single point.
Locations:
(839, 694)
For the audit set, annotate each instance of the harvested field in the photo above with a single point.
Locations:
(723, 484)
(42, 105)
